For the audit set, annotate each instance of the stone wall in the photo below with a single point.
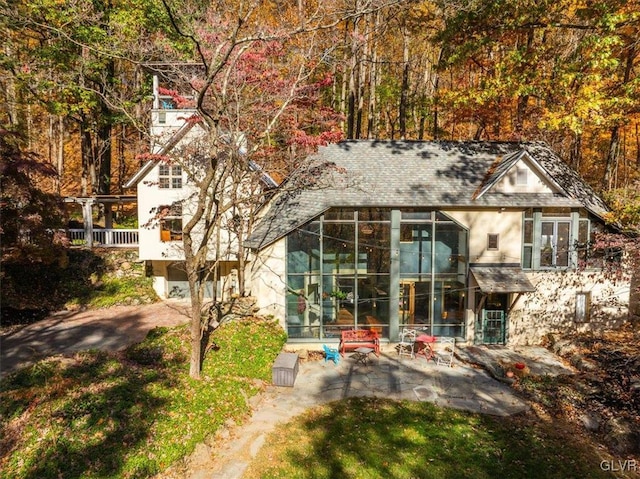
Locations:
(552, 308)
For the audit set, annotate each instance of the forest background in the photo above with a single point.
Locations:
(565, 72)
(288, 76)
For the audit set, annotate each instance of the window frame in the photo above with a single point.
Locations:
(493, 238)
(579, 225)
(168, 230)
(582, 313)
(169, 177)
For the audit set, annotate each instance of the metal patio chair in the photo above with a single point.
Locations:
(444, 355)
(406, 345)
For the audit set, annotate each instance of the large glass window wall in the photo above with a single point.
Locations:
(339, 273)
(433, 273)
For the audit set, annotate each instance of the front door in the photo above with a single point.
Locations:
(493, 326)
(494, 319)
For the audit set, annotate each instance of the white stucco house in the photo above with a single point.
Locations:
(488, 242)
(164, 188)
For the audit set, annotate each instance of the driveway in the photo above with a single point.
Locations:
(66, 332)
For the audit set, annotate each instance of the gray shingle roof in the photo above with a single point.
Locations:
(432, 174)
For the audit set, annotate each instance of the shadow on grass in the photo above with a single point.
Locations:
(85, 420)
(378, 438)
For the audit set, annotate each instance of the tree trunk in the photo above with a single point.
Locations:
(634, 296)
(103, 150)
(612, 157)
(576, 151)
(60, 152)
(85, 153)
(195, 363)
(637, 146)
(404, 91)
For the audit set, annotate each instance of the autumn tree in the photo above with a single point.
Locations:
(71, 67)
(257, 97)
(29, 215)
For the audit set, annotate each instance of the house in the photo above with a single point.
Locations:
(488, 242)
(164, 186)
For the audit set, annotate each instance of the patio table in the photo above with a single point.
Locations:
(426, 349)
(362, 354)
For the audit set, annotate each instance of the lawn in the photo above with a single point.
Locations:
(367, 438)
(99, 415)
(134, 414)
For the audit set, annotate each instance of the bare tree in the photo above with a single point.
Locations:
(256, 96)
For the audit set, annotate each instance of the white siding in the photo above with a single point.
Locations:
(535, 182)
(266, 279)
(506, 224)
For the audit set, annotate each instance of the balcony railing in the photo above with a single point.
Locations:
(105, 238)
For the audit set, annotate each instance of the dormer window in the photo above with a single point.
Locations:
(170, 176)
(522, 176)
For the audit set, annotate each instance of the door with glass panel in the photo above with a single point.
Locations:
(554, 244)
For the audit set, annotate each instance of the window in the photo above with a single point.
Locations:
(583, 307)
(171, 223)
(493, 242)
(522, 176)
(170, 176)
(553, 238)
(554, 243)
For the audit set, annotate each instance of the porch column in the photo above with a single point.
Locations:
(394, 277)
(87, 219)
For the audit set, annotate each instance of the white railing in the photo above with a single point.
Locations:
(108, 238)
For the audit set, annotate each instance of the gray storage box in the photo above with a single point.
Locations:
(285, 369)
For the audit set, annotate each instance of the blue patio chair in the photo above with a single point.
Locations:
(331, 353)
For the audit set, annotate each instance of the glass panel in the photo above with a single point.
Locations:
(448, 319)
(562, 244)
(416, 214)
(528, 213)
(176, 183)
(422, 303)
(164, 182)
(527, 256)
(528, 232)
(407, 298)
(339, 214)
(373, 303)
(583, 231)
(415, 256)
(546, 244)
(176, 170)
(338, 304)
(338, 248)
(447, 248)
(556, 212)
(303, 249)
(374, 214)
(374, 253)
(163, 170)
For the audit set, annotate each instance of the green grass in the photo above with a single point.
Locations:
(115, 291)
(367, 438)
(135, 414)
(107, 416)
